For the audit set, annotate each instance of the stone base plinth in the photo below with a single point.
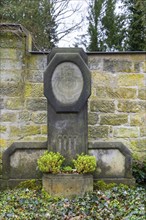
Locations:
(67, 185)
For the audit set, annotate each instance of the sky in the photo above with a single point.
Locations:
(69, 40)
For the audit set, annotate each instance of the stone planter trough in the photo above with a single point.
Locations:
(67, 185)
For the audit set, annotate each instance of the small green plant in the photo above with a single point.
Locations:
(101, 185)
(50, 162)
(139, 170)
(85, 163)
(30, 184)
(67, 169)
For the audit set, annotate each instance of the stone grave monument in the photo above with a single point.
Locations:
(67, 87)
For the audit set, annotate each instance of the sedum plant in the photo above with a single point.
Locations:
(50, 162)
(85, 163)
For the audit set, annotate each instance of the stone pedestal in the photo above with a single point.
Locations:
(67, 185)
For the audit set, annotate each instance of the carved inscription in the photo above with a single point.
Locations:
(67, 83)
(67, 143)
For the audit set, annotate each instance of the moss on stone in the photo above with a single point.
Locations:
(39, 117)
(95, 132)
(130, 79)
(38, 62)
(24, 116)
(137, 119)
(142, 93)
(3, 128)
(44, 129)
(14, 103)
(11, 53)
(126, 132)
(15, 131)
(128, 106)
(113, 119)
(28, 130)
(97, 105)
(31, 184)
(102, 79)
(118, 93)
(36, 104)
(8, 117)
(92, 118)
(34, 90)
(143, 131)
(138, 145)
(11, 89)
(12, 40)
(3, 143)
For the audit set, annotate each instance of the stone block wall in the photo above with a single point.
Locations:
(117, 106)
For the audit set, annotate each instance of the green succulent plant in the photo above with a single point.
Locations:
(50, 162)
(85, 163)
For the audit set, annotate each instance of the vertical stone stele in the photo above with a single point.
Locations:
(67, 87)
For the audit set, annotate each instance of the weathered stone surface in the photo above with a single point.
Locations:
(15, 131)
(128, 106)
(14, 103)
(138, 119)
(95, 132)
(3, 128)
(118, 93)
(1, 103)
(10, 40)
(130, 79)
(142, 93)
(103, 79)
(34, 90)
(97, 105)
(139, 67)
(23, 163)
(37, 62)
(142, 105)
(31, 130)
(92, 118)
(36, 104)
(143, 131)
(11, 64)
(8, 116)
(111, 163)
(39, 117)
(44, 129)
(67, 185)
(67, 88)
(125, 132)
(35, 76)
(26, 130)
(11, 89)
(11, 76)
(3, 143)
(113, 119)
(11, 53)
(95, 63)
(117, 65)
(24, 116)
(138, 145)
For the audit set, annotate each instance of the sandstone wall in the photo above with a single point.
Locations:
(117, 106)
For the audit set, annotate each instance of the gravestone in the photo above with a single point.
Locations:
(67, 87)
